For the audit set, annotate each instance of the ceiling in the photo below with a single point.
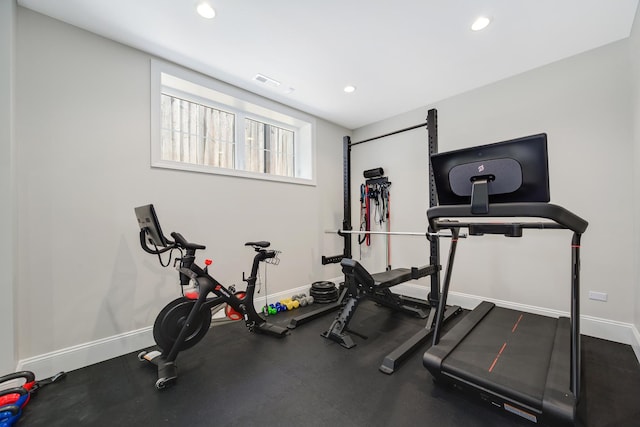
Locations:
(400, 54)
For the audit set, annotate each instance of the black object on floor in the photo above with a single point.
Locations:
(235, 378)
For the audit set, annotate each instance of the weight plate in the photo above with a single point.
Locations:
(322, 293)
(323, 285)
(325, 299)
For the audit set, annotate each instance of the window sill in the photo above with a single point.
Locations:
(189, 167)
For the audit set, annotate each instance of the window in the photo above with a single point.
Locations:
(195, 133)
(268, 148)
(200, 124)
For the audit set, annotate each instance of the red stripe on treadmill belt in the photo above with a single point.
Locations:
(497, 356)
(517, 323)
(575, 246)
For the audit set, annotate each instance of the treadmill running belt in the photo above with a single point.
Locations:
(509, 352)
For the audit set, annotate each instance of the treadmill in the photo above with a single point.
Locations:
(523, 363)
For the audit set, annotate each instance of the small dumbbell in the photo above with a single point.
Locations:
(299, 299)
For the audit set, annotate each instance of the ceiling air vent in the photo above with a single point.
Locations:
(266, 80)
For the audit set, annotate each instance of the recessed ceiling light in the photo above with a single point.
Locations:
(206, 11)
(349, 89)
(480, 23)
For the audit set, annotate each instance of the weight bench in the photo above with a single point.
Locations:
(360, 284)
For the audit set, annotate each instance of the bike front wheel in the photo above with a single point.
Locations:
(172, 319)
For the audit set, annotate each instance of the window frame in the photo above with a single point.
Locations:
(242, 103)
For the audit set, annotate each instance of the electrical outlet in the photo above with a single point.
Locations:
(598, 296)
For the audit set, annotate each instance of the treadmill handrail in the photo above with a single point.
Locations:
(550, 211)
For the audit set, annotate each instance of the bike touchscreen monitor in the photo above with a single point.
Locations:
(148, 221)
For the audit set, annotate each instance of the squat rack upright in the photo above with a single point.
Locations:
(434, 247)
(393, 359)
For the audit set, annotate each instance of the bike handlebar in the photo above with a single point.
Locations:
(182, 242)
(147, 249)
(179, 242)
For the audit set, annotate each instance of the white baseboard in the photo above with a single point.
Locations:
(82, 355)
(79, 356)
(636, 345)
(260, 301)
(625, 333)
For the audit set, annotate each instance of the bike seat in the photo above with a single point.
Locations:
(260, 244)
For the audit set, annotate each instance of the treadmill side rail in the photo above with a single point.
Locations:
(558, 402)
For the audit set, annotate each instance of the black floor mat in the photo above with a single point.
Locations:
(236, 378)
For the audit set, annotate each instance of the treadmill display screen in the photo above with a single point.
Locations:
(505, 172)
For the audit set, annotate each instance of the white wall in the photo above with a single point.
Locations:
(583, 103)
(7, 187)
(82, 129)
(634, 48)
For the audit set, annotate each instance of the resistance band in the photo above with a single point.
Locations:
(375, 193)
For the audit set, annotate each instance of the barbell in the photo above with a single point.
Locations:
(395, 233)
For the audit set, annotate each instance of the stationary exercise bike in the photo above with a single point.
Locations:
(185, 321)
